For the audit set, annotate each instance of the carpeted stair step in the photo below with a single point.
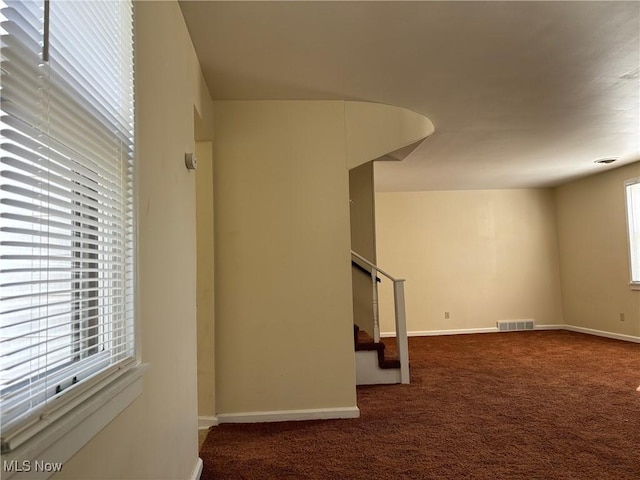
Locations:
(364, 342)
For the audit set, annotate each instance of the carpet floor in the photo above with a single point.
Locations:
(521, 405)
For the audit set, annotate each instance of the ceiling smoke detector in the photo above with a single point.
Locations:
(606, 161)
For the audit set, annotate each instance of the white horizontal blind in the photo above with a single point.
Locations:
(66, 204)
(633, 213)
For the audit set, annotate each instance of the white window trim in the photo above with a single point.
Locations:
(60, 440)
(633, 285)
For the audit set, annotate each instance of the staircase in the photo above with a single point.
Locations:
(373, 366)
(365, 343)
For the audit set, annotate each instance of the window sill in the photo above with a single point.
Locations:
(58, 442)
(634, 286)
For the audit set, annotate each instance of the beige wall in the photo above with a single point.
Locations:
(363, 241)
(482, 256)
(156, 437)
(205, 282)
(283, 308)
(594, 253)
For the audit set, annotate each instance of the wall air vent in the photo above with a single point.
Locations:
(515, 325)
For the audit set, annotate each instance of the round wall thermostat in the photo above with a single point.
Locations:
(190, 161)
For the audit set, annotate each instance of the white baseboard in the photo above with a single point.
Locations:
(571, 328)
(289, 415)
(601, 333)
(205, 423)
(549, 327)
(433, 333)
(197, 470)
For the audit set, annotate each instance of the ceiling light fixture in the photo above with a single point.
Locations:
(606, 161)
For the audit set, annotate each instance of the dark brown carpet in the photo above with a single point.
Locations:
(526, 405)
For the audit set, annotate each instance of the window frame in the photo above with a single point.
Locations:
(634, 284)
(73, 418)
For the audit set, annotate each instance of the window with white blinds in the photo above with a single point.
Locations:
(633, 220)
(66, 204)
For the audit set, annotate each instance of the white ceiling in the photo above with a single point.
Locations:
(522, 94)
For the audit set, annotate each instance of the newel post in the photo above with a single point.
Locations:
(401, 330)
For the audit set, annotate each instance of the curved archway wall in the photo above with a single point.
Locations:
(283, 341)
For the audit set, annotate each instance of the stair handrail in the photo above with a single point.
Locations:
(376, 268)
(360, 268)
(400, 315)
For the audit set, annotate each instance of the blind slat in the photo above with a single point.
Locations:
(24, 232)
(128, 306)
(58, 153)
(59, 225)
